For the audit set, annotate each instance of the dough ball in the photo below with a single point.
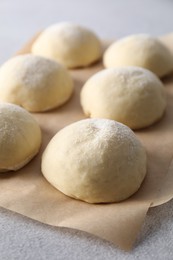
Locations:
(131, 95)
(95, 160)
(20, 137)
(35, 83)
(71, 45)
(140, 50)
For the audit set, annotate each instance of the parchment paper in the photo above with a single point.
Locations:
(28, 193)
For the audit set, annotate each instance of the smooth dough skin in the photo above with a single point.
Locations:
(142, 51)
(20, 137)
(95, 160)
(131, 95)
(69, 44)
(35, 83)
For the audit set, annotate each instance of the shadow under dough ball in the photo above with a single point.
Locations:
(131, 95)
(20, 137)
(95, 160)
(38, 84)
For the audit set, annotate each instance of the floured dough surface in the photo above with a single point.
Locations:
(69, 44)
(106, 162)
(140, 50)
(35, 83)
(131, 95)
(20, 137)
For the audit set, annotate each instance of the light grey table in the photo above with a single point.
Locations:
(22, 238)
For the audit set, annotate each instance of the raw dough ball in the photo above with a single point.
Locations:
(70, 44)
(95, 160)
(35, 83)
(131, 95)
(140, 50)
(20, 137)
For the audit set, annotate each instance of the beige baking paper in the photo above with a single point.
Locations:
(28, 193)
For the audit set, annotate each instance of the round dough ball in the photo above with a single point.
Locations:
(35, 83)
(20, 137)
(131, 95)
(95, 160)
(71, 45)
(139, 50)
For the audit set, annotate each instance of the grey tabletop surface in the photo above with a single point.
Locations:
(23, 238)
